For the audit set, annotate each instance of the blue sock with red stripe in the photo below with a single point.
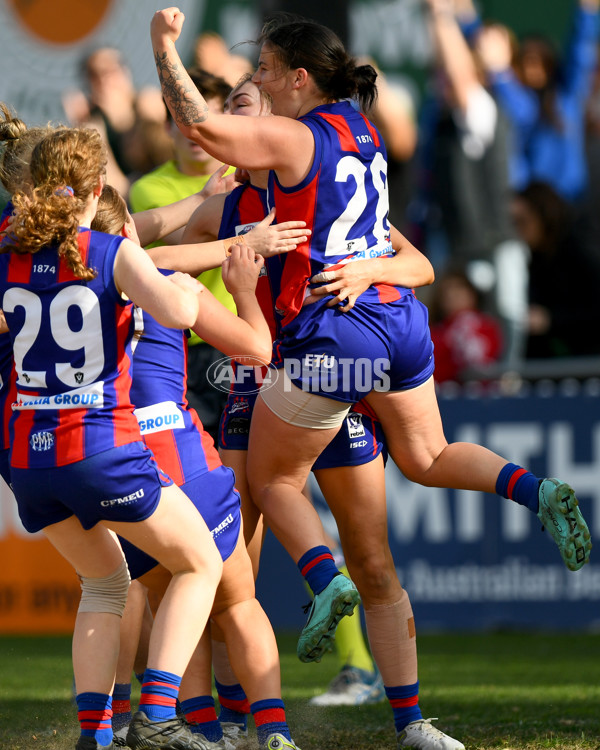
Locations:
(520, 485)
(159, 694)
(234, 704)
(404, 700)
(200, 714)
(269, 718)
(318, 568)
(94, 711)
(121, 705)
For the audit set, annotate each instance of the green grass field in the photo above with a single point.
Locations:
(505, 690)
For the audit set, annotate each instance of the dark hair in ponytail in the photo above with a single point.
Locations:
(302, 43)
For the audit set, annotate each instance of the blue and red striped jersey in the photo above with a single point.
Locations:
(343, 200)
(169, 426)
(71, 347)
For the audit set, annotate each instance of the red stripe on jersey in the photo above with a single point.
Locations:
(20, 446)
(126, 424)
(341, 127)
(70, 436)
(19, 268)
(164, 448)
(251, 209)
(387, 293)
(4, 223)
(208, 444)
(301, 206)
(83, 244)
(265, 302)
(372, 131)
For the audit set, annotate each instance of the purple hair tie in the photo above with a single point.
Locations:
(65, 191)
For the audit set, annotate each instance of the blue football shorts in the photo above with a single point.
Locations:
(119, 484)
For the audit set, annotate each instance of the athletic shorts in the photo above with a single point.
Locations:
(120, 484)
(360, 438)
(218, 502)
(343, 356)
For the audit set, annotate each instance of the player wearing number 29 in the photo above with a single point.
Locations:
(78, 463)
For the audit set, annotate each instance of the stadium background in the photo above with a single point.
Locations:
(469, 561)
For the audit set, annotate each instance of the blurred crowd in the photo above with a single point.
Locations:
(495, 176)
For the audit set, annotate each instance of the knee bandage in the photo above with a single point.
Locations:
(108, 594)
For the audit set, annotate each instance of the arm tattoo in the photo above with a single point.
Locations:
(183, 98)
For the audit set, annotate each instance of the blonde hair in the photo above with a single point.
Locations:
(65, 167)
(19, 141)
(111, 214)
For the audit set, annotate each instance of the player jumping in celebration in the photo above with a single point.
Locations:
(335, 178)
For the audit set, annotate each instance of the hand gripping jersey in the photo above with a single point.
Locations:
(243, 209)
(71, 345)
(343, 200)
(362, 438)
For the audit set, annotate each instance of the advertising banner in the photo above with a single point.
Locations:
(474, 561)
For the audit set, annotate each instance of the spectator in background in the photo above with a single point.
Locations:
(185, 174)
(545, 99)
(211, 54)
(564, 274)
(463, 335)
(393, 114)
(132, 123)
(464, 182)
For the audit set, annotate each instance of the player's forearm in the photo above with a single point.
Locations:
(192, 259)
(155, 223)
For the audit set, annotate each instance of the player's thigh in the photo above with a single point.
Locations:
(94, 553)
(280, 452)
(412, 425)
(175, 534)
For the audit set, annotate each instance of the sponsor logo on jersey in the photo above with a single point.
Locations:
(127, 500)
(41, 441)
(90, 397)
(159, 417)
(358, 444)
